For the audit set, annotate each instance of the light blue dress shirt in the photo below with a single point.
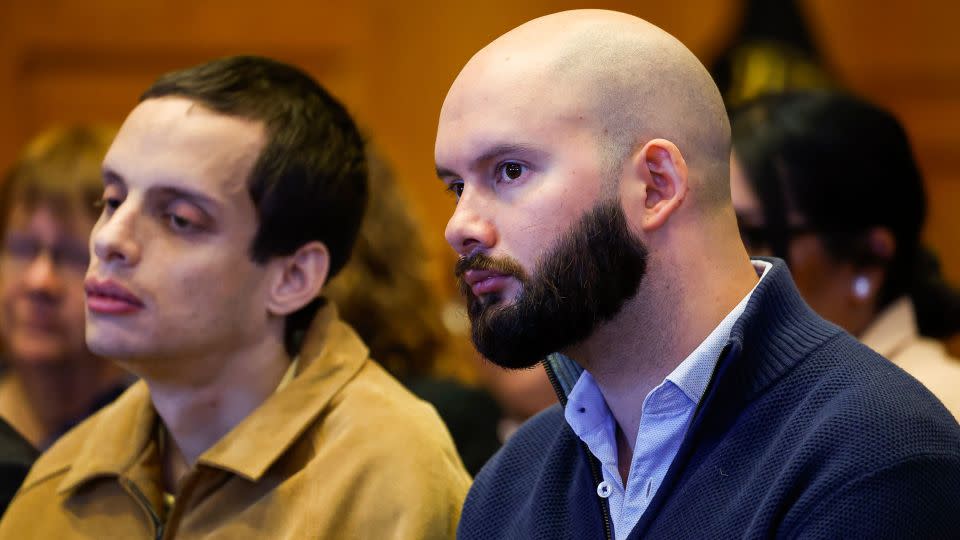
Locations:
(666, 412)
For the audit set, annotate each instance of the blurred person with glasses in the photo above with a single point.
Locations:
(829, 183)
(50, 380)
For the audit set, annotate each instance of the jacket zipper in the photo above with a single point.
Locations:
(144, 503)
(604, 505)
(594, 464)
(644, 522)
(555, 383)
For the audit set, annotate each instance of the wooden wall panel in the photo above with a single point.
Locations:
(12, 129)
(68, 61)
(102, 84)
(907, 58)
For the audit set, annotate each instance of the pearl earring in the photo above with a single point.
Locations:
(861, 287)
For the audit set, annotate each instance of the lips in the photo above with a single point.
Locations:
(483, 282)
(110, 298)
(39, 323)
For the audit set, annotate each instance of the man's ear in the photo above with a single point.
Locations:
(299, 278)
(656, 184)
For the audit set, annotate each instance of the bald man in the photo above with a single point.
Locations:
(699, 396)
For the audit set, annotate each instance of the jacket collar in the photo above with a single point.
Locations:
(122, 433)
(776, 331)
(331, 356)
(563, 373)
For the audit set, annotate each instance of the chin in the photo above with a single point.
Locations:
(36, 354)
(110, 349)
(112, 343)
(498, 300)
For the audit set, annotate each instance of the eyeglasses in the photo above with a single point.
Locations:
(760, 237)
(19, 250)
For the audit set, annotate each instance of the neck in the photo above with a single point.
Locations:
(39, 401)
(199, 409)
(672, 313)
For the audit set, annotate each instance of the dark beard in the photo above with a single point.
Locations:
(581, 283)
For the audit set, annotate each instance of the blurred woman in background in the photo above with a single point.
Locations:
(829, 183)
(50, 381)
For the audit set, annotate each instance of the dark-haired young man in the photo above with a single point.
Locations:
(231, 193)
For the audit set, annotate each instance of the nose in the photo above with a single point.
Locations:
(470, 228)
(114, 237)
(41, 275)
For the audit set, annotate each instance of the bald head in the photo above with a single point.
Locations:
(589, 153)
(618, 75)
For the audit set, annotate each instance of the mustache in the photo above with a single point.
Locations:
(482, 261)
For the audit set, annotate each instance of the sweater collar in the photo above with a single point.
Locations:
(777, 330)
(777, 325)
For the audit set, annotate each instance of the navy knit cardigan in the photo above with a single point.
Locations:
(803, 432)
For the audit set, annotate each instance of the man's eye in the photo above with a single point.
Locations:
(179, 222)
(456, 188)
(184, 217)
(510, 170)
(108, 203)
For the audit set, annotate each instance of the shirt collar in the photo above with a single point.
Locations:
(693, 374)
(331, 355)
(586, 410)
(289, 375)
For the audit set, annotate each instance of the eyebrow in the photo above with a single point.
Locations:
(494, 153)
(111, 177)
(184, 193)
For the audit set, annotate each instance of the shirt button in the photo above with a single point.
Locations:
(603, 489)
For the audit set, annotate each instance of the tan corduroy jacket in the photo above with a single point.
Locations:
(342, 451)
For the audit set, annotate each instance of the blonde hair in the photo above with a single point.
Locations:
(61, 168)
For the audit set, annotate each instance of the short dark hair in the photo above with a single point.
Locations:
(310, 180)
